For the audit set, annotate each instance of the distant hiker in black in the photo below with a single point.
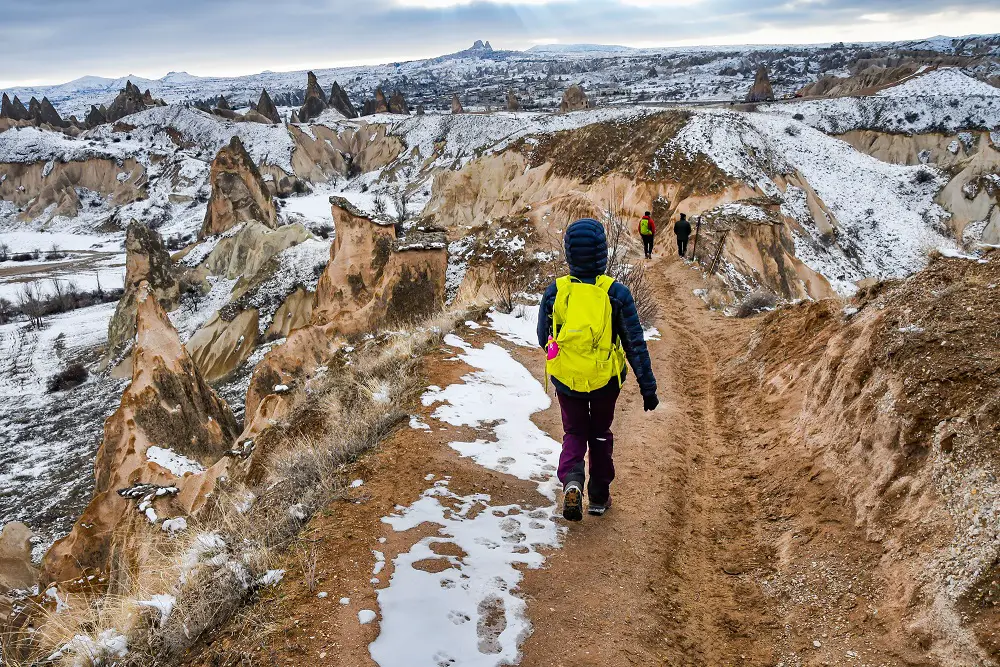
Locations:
(682, 228)
(647, 230)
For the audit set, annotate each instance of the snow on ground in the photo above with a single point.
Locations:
(944, 100)
(468, 613)
(176, 463)
(502, 393)
(517, 327)
(49, 440)
(887, 219)
(28, 241)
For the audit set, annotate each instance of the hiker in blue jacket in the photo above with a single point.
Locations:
(587, 416)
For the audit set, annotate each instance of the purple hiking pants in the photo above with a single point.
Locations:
(587, 423)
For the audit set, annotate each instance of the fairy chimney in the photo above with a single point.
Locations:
(761, 91)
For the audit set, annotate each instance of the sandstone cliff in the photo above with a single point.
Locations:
(167, 406)
(239, 193)
(146, 262)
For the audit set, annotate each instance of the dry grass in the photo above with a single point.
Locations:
(217, 567)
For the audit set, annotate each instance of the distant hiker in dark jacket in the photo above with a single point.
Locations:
(682, 228)
(647, 230)
(587, 356)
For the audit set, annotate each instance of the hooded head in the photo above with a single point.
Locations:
(586, 248)
(683, 216)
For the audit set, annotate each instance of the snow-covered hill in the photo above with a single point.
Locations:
(482, 75)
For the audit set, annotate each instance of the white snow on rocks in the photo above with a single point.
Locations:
(176, 463)
(944, 81)
(886, 218)
(517, 327)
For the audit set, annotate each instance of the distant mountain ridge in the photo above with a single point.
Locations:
(482, 74)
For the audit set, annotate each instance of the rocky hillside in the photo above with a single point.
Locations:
(279, 282)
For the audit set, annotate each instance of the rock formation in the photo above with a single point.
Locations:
(95, 117)
(420, 110)
(16, 570)
(513, 104)
(294, 117)
(266, 108)
(380, 104)
(10, 109)
(341, 102)
(574, 99)
(315, 102)
(239, 193)
(34, 111)
(456, 104)
(146, 261)
(397, 104)
(761, 91)
(49, 115)
(168, 405)
(223, 104)
(373, 279)
(130, 100)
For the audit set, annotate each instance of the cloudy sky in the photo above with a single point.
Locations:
(53, 41)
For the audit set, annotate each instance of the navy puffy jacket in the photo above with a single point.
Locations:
(587, 256)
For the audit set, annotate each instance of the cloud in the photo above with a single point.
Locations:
(57, 40)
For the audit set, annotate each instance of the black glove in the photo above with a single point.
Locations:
(650, 402)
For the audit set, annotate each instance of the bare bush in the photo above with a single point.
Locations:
(308, 561)
(29, 302)
(507, 282)
(756, 302)
(401, 202)
(621, 250)
(71, 376)
(379, 206)
(7, 310)
(4, 252)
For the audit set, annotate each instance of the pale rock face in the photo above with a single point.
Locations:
(16, 570)
(761, 91)
(456, 104)
(169, 405)
(574, 99)
(239, 193)
(146, 260)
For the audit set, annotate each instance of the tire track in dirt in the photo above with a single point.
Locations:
(661, 577)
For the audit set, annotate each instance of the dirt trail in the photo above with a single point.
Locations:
(727, 543)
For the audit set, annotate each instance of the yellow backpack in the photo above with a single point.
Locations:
(587, 357)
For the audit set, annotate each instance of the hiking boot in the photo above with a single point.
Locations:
(598, 509)
(573, 502)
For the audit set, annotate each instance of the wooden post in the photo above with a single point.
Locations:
(697, 233)
(718, 253)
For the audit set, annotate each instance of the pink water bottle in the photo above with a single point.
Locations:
(552, 349)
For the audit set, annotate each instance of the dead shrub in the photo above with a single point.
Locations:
(69, 377)
(507, 282)
(756, 302)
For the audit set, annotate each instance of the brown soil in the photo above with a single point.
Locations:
(730, 542)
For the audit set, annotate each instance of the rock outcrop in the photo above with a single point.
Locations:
(146, 261)
(34, 111)
(398, 105)
(456, 104)
(223, 104)
(239, 193)
(574, 99)
(16, 569)
(513, 104)
(420, 110)
(12, 110)
(49, 115)
(130, 100)
(95, 117)
(315, 103)
(168, 405)
(266, 108)
(377, 105)
(761, 91)
(373, 279)
(341, 102)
